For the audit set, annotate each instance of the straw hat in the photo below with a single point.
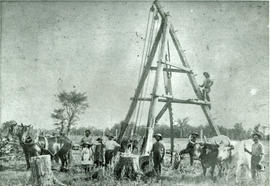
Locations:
(256, 134)
(158, 135)
(109, 135)
(194, 133)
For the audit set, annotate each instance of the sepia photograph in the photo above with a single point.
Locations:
(134, 92)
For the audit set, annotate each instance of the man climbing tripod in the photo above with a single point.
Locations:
(206, 87)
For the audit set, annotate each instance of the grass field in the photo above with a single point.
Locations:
(15, 173)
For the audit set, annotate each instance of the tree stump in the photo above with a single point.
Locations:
(41, 172)
(127, 166)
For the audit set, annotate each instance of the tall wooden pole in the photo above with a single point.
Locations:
(168, 91)
(147, 145)
(143, 77)
(191, 76)
(169, 87)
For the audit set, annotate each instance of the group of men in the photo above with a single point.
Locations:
(256, 152)
(101, 154)
(158, 151)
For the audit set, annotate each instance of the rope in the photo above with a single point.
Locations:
(145, 52)
(155, 28)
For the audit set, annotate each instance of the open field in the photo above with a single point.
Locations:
(15, 173)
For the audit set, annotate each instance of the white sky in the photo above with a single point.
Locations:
(49, 47)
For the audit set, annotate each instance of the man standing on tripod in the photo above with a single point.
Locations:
(206, 87)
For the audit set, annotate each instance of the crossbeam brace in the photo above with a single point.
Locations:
(162, 111)
(174, 100)
(180, 70)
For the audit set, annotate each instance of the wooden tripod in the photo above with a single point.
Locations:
(166, 28)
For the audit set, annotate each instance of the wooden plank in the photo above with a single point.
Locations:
(147, 145)
(191, 76)
(174, 100)
(187, 70)
(162, 111)
(172, 70)
(138, 90)
(171, 130)
(193, 82)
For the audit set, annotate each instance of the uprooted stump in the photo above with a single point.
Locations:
(131, 166)
(41, 172)
(127, 166)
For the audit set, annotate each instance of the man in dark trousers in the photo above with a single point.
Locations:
(99, 153)
(190, 147)
(158, 153)
(206, 87)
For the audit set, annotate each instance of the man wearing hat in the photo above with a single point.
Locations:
(190, 147)
(86, 138)
(206, 87)
(256, 153)
(158, 153)
(99, 152)
(110, 147)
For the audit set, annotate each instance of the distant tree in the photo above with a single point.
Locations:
(58, 115)
(183, 124)
(72, 105)
(239, 131)
(8, 128)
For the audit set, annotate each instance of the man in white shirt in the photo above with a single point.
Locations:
(87, 138)
(256, 153)
(110, 147)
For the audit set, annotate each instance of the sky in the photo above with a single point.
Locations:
(96, 47)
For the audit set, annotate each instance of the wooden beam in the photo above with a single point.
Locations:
(174, 100)
(191, 76)
(147, 145)
(172, 70)
(171, 130)
(138, 90)
(193, 82)
(187, 70)
(162, 111)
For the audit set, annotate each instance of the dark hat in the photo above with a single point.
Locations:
(260, 167)
(99, 139)
(28, 139)
(256, 134)
(206, 74)
(194, 133)
(109, 135)
(87, 130)
(158, 135)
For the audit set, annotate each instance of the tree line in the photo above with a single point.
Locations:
(73, 104)
(181, 130)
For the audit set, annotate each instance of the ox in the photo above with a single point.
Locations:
(57, 146)
(236, 162)
(209, 153)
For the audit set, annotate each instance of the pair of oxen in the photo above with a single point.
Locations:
(228, 156)
(34, 144)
